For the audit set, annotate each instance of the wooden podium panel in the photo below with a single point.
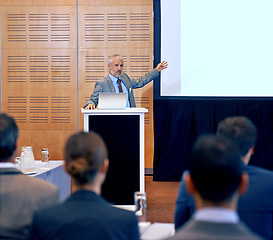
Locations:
(123, 133)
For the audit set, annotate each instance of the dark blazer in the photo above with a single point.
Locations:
(211, 230)
(106, 85)
(255, 207)
(84, 215)
(20, 196)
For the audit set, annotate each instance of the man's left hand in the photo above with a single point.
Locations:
(162, 66)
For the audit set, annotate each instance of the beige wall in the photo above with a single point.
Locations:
(48, 70)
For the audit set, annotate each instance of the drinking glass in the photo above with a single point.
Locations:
(140, 204)
(45, 156)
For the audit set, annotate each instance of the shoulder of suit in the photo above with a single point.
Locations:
(259, 170)
(124, 76)
(106, 78)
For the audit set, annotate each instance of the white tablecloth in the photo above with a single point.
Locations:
(156, 231)
(55, 174)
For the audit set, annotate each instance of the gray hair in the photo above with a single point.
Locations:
(110, 59)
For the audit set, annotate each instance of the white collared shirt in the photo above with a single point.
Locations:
(7, 165)
(216, 214)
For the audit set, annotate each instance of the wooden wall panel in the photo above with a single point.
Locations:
(113, 27)
(38, 3)
(39, 69)
(39, 72)
(36, 27)
(115, 3)
(45, 111)
(73, 2)
(39, 86)
(54, 140)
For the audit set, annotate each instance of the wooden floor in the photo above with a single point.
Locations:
(161, 198)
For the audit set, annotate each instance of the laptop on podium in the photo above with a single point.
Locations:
(108, 101)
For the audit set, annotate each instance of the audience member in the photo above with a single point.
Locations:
(20, 195)
(215, 179)
(255, 207)
(85, 214)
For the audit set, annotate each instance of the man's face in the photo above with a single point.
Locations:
(116, 67)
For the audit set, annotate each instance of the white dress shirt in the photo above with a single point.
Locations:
(216, 214)
(124, 89)
(7, 165)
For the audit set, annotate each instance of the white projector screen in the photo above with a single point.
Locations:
(221, 48)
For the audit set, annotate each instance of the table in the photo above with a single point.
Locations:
(55, 174)
(156, 231)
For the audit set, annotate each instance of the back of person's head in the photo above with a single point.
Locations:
(239, 129)
(215, 168)
(8, 136)
(85, 153)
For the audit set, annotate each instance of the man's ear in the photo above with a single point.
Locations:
(104, 167)
(16, 144)
(243, 184)
(252, 150)
(189, 183)
(16, 150)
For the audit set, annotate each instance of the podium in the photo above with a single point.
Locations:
(123, 133)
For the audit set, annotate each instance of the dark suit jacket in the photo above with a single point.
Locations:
(84, 215)
(20, 196)
(255, 207)
(210, 230)
(106, 85)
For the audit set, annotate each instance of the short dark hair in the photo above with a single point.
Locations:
(239, 129)
(8, 136)
(215, 167)
(84, 155)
